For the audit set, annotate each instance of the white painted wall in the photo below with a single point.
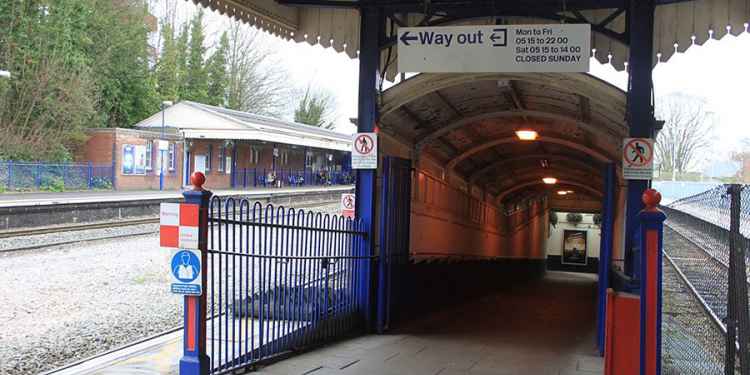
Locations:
(593, 234)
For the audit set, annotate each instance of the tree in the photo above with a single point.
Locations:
(196, 75)
(217, 73)
(256, 82)
(686, 134)
(181, 45)
(315, 108)
(167, 76)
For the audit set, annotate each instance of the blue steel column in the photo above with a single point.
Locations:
(640, 109)
(194, 360)
(605, 250)
(369, 57)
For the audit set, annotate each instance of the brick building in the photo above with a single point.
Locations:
(235, 149)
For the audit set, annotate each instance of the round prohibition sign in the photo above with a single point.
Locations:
(348, 202)
(638, 153)
(364, 144)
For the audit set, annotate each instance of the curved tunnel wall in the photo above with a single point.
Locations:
(449, 223)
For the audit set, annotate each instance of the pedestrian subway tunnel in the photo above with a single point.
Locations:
(473, 165)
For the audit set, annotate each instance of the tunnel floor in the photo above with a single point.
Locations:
(539, 327)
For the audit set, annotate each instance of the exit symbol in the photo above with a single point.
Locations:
(499, 37)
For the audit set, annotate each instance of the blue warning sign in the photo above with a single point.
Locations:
(185, 268)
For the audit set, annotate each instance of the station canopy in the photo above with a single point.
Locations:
(468, 123)
(679, 24)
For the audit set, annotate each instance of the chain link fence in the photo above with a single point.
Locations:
(705, 323)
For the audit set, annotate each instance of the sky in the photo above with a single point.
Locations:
(716, 71)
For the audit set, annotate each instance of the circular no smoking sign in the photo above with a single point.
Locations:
(638, 152)
(364, 144)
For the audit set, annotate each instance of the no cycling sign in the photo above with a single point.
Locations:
(638, 158)
(365, 151)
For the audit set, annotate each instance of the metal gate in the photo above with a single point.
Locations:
(280, 279)
(395, 217)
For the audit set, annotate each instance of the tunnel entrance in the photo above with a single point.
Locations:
(497, 162)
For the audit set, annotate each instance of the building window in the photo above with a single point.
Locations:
(228, 166)
(254, 156)
(222, 156)
(284, 158)
(210, 158)
(171, 157)
(149, 154)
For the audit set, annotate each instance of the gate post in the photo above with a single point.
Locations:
(194, 360)
(651, 225)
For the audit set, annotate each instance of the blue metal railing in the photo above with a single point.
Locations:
(280, 279)
(38, 176)
(261, 177)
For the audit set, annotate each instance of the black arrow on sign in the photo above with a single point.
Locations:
(405, 38)
(502, 36)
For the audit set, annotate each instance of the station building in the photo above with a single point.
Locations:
(236, 149)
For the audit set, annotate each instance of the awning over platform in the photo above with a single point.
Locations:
(678, 24)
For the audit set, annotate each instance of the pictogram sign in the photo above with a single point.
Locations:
(178, 225)
(365, 151)
(185, 268)
(347, 205)
(638, 158)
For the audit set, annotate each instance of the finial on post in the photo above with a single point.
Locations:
(197, 179)
(651, 198)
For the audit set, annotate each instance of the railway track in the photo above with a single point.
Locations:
(25, 233)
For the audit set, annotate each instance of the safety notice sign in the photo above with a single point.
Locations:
(495, 48)
(347, 205)
(365, 151)
(638, 158)
(185, 268)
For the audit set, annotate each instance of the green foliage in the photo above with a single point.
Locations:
(75, 64)
(101, 183)
(167, 74)
(314, 109)
(217, 73)
(52, 183)
(197, 76)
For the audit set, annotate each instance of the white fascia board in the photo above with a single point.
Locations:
(267, 137)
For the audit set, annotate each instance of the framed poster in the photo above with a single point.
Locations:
(140, 160)
(128, 159)
(133, 160)
(574, 247)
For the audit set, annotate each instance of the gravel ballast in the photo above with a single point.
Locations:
(64, 303)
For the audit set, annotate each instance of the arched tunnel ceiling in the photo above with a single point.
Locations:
(467, 122)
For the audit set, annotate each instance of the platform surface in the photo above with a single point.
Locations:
(41, 199)
(544, 327)
(540, 328)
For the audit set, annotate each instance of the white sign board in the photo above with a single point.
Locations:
(185, 271)
(638, 158)
(347, 205)
(498, 48)
(365, 151)
(163, 145)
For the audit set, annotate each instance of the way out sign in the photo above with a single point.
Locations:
(365, 151)
(495, 48)
(638, 158)
(185, 271)
(347, 205)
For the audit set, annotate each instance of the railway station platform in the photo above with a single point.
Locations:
(46, 199)
(541, 326)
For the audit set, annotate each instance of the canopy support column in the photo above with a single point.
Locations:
(640, 113)
(369, 60)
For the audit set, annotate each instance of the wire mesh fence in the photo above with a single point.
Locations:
(705, 323)
(35, 176)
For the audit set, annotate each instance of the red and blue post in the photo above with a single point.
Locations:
(652, 229)
(194, 360)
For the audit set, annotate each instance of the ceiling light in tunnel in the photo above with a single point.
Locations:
(562, 192)
(527, 134)
(549, 180)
